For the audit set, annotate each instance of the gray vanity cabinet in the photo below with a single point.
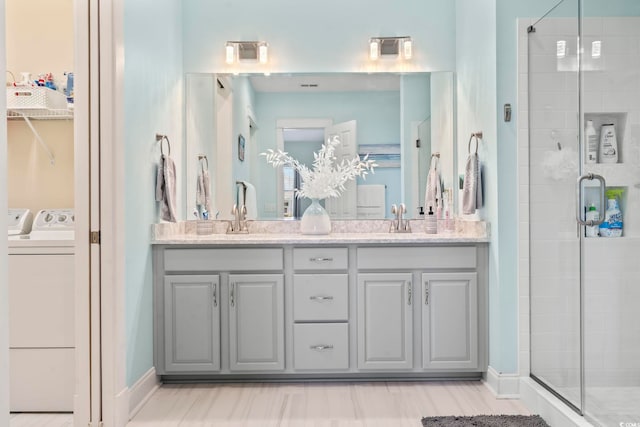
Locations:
(191, 323)
(450, 321)
(385, 321)
(256, 322)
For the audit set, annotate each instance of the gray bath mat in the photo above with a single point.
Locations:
(486, 421)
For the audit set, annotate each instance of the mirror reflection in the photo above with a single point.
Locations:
(399, 119)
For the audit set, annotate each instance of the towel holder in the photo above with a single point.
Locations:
(202, 157)
(478, 137)
(161, 138)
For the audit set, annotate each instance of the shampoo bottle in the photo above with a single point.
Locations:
(612, 225)
(608, 144)
(592, 143)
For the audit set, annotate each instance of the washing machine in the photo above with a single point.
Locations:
(53, 224)
(19, 223)
(41, 311)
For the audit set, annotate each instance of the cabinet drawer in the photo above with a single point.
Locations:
(320, 297)
(320, 258)
(319, 346)
(417, 257)
(223, 259)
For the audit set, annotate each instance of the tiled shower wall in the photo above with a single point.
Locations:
(548, 159)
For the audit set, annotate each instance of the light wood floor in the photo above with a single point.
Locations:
(376, 404)
(41, 420)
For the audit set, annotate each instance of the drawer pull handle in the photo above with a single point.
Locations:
(320, 259)
(321, 347)
(321, 298)
(232, 298)
(409, 293)
(426, 293)
(215, 295)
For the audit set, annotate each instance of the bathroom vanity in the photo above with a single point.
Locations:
(345, 305)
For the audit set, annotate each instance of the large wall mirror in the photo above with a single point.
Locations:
(401, 119)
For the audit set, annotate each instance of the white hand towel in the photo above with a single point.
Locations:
(472, 187)
(250, 200)
(203, 191)
(433, 191)
(166, 188)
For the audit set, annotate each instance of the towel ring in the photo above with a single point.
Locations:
(161, 139)
(206, 161)
(477, 136)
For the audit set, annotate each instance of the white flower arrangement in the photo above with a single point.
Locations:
(328, 178)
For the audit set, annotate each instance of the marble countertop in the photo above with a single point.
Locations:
(287, 232)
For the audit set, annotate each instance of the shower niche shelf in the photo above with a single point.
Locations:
(619, 120)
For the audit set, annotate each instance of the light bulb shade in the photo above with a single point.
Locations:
(230, 53)
(263, 53)
(407, 49)
(374, 49)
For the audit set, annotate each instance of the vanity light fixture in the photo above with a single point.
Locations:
(246, 51)
(390, 46)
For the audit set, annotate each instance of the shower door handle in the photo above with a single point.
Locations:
(603, 184)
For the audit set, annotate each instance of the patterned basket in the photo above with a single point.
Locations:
(35, 98)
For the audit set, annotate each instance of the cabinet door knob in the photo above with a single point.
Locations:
(321, 298)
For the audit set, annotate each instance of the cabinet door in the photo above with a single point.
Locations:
(450, 321)
(256, 322)
(385, 321)
(191, 323)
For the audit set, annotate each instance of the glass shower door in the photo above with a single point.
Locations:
(610, 70)
(554, 236)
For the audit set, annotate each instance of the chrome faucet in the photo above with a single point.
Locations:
(239, 223)
(399, 224)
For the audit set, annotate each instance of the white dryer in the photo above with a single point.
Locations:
(19, 223)
(53, 224)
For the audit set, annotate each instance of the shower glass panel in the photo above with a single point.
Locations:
(584, 68)
(610, 71)
(554, 166)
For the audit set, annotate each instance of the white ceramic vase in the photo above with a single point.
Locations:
(315, 219)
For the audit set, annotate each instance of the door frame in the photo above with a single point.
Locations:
(282, 124)
(4, 254)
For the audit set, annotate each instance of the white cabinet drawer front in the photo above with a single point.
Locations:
(320, 297)
(417, 257)
(223, 259)
(320, 258)
(319, 346)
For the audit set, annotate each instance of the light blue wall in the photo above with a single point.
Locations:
(152, 104)
(378, 122)
(476, 101)
(323, 36)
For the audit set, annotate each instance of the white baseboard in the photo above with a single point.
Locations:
(504, 386)
(539, 401)
(141, 391)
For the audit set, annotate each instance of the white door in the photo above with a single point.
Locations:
(345, 205)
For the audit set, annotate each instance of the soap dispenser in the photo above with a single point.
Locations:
(431, 222)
